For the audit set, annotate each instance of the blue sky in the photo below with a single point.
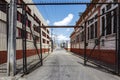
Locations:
(61, 15)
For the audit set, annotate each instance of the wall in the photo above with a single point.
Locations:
(3, 54)
(106, 56)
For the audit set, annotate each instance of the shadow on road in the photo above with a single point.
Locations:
(94, 66)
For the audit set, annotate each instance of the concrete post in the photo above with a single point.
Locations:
(11, 61)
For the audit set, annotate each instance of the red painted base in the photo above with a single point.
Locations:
(3, 54)
(106, 56)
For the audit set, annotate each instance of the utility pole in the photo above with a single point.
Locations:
(11, 60)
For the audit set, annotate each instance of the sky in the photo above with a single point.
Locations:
(64, 15)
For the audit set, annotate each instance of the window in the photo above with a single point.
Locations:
(47, 42)
(48, 31)
(92, 31)
(37, 38)
(18, 16)
(44, 41)
(96, 16)
(44, 27)
(28, 9)
(108, 23)
(95, 29)
(108, 20)
(88, 33)
(19, 32)
(44, 34)
(82, 36)
(77, 38)
(3, 8)
(103, 26)
(108, 6)
(48, 36)
(90, 21)
(103, 10)
(36, 18)
(29, 23)
(36, 28)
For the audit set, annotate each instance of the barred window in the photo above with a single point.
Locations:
(92, 31)
(103, 10)
(88, 33)
(103, 26)
(82, 36)
(108, 20)
(95, 29)
(115, 21)
(108, 23)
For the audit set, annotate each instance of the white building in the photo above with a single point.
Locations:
(34, 20)
(101, 22)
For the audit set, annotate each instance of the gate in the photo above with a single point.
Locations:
(29, 42)
(105, 51)
(29, 52)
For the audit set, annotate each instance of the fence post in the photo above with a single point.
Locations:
(40, 43)
(118, 40)
(85, 44)
(11, 58)
(24, 46)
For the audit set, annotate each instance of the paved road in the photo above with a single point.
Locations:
(61, 65)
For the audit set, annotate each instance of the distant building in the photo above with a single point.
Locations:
(33, 21)
(67, 45)
(101, 20)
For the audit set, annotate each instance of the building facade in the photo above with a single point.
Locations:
(33, 22)
(100, 21)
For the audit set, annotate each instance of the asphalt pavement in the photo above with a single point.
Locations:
(62, 65)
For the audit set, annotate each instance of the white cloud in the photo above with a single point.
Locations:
(62, 37)
(68, 30)
(48, 22)
(65, 21)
